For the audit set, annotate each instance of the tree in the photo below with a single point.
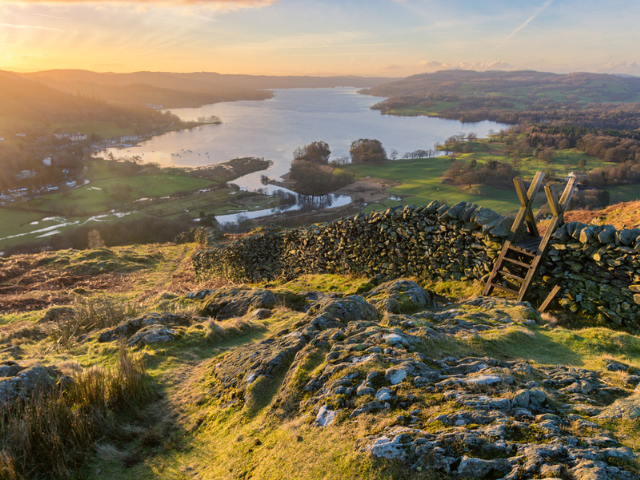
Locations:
(366, 150)
(394, 154)
(316, 152)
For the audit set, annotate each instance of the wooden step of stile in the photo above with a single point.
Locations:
(517, 262)
(510, 275)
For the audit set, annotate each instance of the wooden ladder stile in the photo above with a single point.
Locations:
(532, 250)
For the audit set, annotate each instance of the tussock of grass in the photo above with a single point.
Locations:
(90, 314)
(50, 435)
(219, 332)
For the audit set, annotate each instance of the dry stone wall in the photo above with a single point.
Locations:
(597, 267)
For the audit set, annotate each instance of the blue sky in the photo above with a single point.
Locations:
(304, 37)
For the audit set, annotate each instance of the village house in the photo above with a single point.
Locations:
(26, 174)
(74, 137)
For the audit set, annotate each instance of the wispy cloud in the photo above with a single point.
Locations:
(217, 4)
(29, 27)
(544, 6)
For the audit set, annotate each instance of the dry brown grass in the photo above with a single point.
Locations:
(50, 435)
(90, 314)
(220, 331)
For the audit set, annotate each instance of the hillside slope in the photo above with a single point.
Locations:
(174, 90)
(620, 215)
(585, 86)
(324, 376)
(29, 102)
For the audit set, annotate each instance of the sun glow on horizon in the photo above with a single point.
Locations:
(320, 38)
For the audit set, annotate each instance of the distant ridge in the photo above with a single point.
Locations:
(174, 90)
(600, 86)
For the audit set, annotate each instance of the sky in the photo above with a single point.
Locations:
(389, 38)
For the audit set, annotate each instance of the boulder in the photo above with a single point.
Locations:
(132, 326)
(152, 334)
(325, 416)
(27, 382)
(624, 408)
(400, 296)
(331, 312)
(235, 302)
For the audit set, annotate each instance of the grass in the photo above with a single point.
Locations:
(15, 222)
(169, 193)
(422, 179)
(96, 197)
(52, 434)
(90, 314)
(421, 184)
(186, 433)
(328, 283)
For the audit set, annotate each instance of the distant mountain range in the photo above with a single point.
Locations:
(173, 90)
(586, 87)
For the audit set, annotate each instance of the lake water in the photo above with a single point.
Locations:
(274, 128)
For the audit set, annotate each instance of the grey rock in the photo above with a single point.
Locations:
(627, 237)
(367, 408)
(152, 334)
(326, 416)
(394, 339)
(537, 396)
(131, 326)
(385, 395)
(484, 216)
(234, 302)
(27, 382)
(479, 468)
(502, 228)
(365, 389)
(10, 369)
(395, 375)
(625, 408)
(616, 367)
(384, 447)
(399, 296)
(342, 310)
(521, 398)
(483, 380)
(607, 235)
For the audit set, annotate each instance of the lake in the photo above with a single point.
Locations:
(274, 128)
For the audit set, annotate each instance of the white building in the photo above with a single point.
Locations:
(46, 161)
(26, 174)
(74, 137)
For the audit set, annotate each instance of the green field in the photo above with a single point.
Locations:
(15, 222)
(421, 184)
(94, 198)
(167, 193)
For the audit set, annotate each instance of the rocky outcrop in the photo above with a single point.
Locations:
(459, 417)
(147, 329)
(235, 302)
(400, 296)
(597, 267)
(20, 383)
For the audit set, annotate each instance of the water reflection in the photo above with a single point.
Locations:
(291, 202)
